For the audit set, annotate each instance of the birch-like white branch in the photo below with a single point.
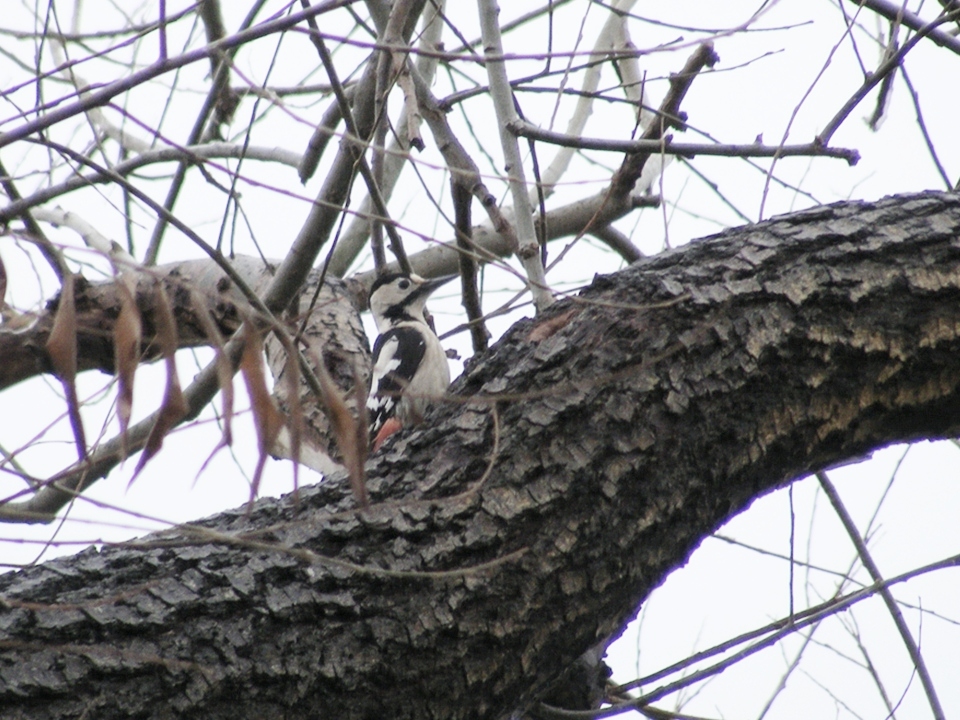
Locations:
(91, 237)
(166, 154)
(611, 37)
(354, 238)
(98, 121)
(528, 249)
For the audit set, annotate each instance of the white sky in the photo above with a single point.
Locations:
(762, 86)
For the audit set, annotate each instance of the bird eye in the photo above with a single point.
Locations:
(403, 284)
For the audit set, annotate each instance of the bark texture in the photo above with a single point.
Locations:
(580, 461)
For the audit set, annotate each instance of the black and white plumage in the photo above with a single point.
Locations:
(409, 364)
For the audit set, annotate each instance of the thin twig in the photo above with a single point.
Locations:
(687, 150)
(219, 84)
(915, 96)
(897, 12)
(49, 251)
(109, 91)
(865, 557)
(774, 632)
(353, 239)
(885, 68)
(470, 293)
(885, 92)
(360, 133)
(614, 26)
(390, 63)
(191, 155)
(324, 131)
(548, 7)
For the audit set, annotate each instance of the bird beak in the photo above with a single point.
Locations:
(428, 286)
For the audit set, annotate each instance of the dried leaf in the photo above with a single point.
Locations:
(174, 406)
(62, 350)
(127, 335)
(351, 435)
(266, 417)
(357, 464)
(291, 376)
(224, 373)
(3, 285)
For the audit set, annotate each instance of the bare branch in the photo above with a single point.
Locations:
(774, 632)
(359, 125)
(895, 12)
(885, 69)
(614, 30)
(192, 154)
(354, 238)
(865, 557)
(575, 218)
(688, 150)
(111, 90)
(668, 115)
(528, 249)
(470, 293)
(52, 255)
(618, 242)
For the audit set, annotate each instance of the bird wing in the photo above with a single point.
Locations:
(397, 354)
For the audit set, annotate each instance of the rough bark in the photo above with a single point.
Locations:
(581, 460)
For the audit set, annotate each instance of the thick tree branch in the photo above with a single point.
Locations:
(576, 218)
(330, 330)
(579, 461)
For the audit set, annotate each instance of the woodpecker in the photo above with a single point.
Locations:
(409, 364)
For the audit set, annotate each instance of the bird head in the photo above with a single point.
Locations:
(399, 297)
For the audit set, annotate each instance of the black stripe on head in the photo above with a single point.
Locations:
(395, 313)
(399, 313)
(385, 280)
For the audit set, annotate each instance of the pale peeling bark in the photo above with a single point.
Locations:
(630, 422)
(327, 323)
(22, 345)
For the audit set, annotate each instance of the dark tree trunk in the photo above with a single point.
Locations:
(581, 460)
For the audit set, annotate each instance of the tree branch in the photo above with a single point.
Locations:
(579, 461)
(528, 249)
(900, 14)
(109, 91)
(667, 146)
(867, 559)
